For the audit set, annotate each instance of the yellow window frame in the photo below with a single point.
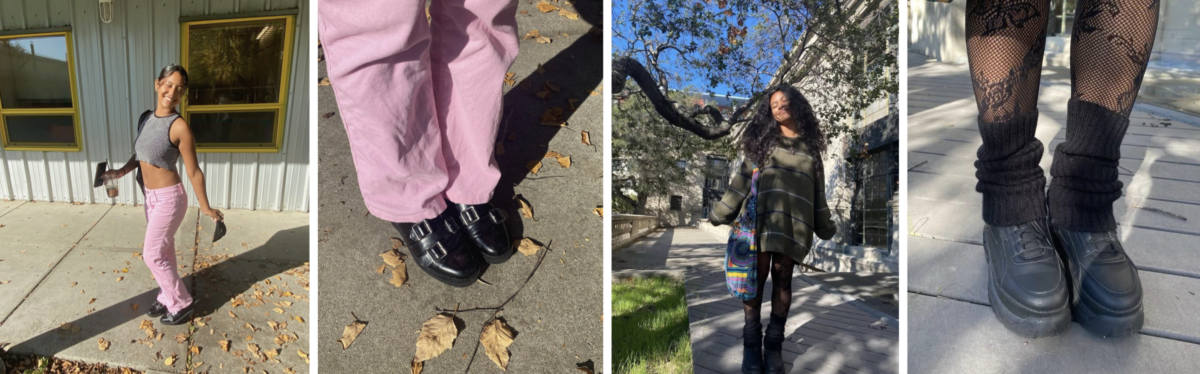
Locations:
(280, 108)
(73, 111)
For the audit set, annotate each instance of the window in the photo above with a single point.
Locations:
(238, 74)
(875, 187)
(716, 181)
(37, 93)
(676, 202)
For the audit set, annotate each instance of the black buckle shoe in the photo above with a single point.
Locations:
(157, 310)
(484, 226)
(180, 317)
(773, 346)
(440, 249)
(1106, 291)
(752, 347)
(1027, 287)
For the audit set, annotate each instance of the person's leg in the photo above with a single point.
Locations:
(474, 42)
(377, 55)
(1110, 47)
(1005, 42)
(165, 209)
(782, 267)
(752, 335)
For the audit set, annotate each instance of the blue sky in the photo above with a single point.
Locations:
(54, 47)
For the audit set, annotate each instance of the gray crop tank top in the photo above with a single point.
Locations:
(154, 145)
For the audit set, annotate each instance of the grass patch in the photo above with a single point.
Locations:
(650, 327)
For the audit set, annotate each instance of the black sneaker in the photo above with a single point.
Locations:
(1027, 286)
(180, 317)
(157, 310)
(440, 248)
(1106, 291)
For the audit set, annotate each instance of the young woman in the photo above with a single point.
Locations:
(420, 93)
(163, 139)
(1041, 243)
(785, 143)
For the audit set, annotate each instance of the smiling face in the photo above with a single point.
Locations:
(779, 107)
(170, 90)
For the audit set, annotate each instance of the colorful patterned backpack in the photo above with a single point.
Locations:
(741, 254)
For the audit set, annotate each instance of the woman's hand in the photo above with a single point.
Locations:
(215, 214)
(113, 174)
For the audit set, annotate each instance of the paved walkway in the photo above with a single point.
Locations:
(73, 274)
(825, 332)
(951, 326)
(558, 316)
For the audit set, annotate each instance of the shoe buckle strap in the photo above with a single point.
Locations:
(437, 251)
(421, 230)
(498, 216)
(451, 226)
(469, 215)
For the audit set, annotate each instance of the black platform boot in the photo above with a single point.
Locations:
(752, 346)
(773, 346)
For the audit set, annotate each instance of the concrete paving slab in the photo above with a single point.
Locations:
(8, 205)
(558, 315)
(50, 223)
(22, 267)
(124, 226)
(258, 235)
(35, 327)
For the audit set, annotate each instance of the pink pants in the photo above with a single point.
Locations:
(165, 209)
(420, 99)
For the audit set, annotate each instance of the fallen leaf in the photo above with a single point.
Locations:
(399, 276)
(92, 300)
(532, 34)
(278, 310)
(120, 279)
(252, 347)
(564, 161)
(302, 355)
(195, 349)
(274, 325)
(586, 138)
(351, 332)
(225, 344)
(74, 283)
(534, 166)
(323, 82)
(417, 366)
(380, 268)
(570, 15)
(553, 154)
(552, 116)
(397, 243)
(599, 211)
(437, 335)
(508, 79)
(546, 7)
(496, 337)
(527, 246)
(526, 209)
(181, 337)
(170, 361)
(104, 344)
(392, 257)
(135, 307)
(298, 319)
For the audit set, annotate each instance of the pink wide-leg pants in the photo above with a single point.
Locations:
(420, 99)
(165, 208)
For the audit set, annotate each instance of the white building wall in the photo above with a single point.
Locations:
(116, 64)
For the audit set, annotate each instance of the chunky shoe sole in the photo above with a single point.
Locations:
(448, 280)
(1029, 327)
(155, 315)
(494, 260)
(186, 317)
(1108, 326)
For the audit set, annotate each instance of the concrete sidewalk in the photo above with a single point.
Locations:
(951, 326)
(826, 332)
(558, 315)
(73, 274)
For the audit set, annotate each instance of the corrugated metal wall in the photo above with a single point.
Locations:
(116, 64)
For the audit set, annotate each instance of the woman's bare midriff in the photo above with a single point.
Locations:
(156, 177)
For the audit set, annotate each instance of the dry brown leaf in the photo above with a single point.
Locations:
(274, 325)
(508, 79)
(568, 14)
(103, 344)
(302, 355)
(553, 154)
(584, 369)
(298, 319)
(252, 347)
(546, 7)
(120, 279)
(586, 138)
(527, 246)
(399, 275)
(323, 82)
(180, 338)
(380, 268)
(437, 335)
(496, 337)
(526, 209)
(532, 34)
(417, 367)
(564, 161)
(392, 257)
(232, 315)
(195, 349)
(396, 244)
(599, 211)
(552, 116)
(225, 344)
(170, 361)
(92, 300)
(534, 166)
(74, 283)
(351, 332)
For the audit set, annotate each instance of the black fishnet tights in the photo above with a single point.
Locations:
(1110, 46)
(780, 267)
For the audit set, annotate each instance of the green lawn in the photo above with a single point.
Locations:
(650, 327)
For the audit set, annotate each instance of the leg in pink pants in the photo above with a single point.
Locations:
(420, 99)
(165, 209)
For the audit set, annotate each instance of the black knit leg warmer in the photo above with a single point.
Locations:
(1012, 182)
(1085, 181)
(773, 346)
(752, 346)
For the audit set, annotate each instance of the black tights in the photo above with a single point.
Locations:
(780, 267)
(1110, 47)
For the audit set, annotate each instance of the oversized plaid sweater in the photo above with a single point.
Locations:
(791, 200)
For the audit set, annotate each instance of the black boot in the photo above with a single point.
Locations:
(439, 248)
(157, 310)
(773, 346)
(1027, 285)
(180, 317)
(483, 225)
(752, 346)
(1106, 293)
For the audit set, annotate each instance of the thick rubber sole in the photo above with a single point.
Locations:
(154, 315)
(187, 317)
(1028, 327)
(1108, 326)
(494, 260)
(451, 281)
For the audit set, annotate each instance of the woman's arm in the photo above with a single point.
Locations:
(130, 166)
(726, 211)
(187, 148)
(825, 228)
